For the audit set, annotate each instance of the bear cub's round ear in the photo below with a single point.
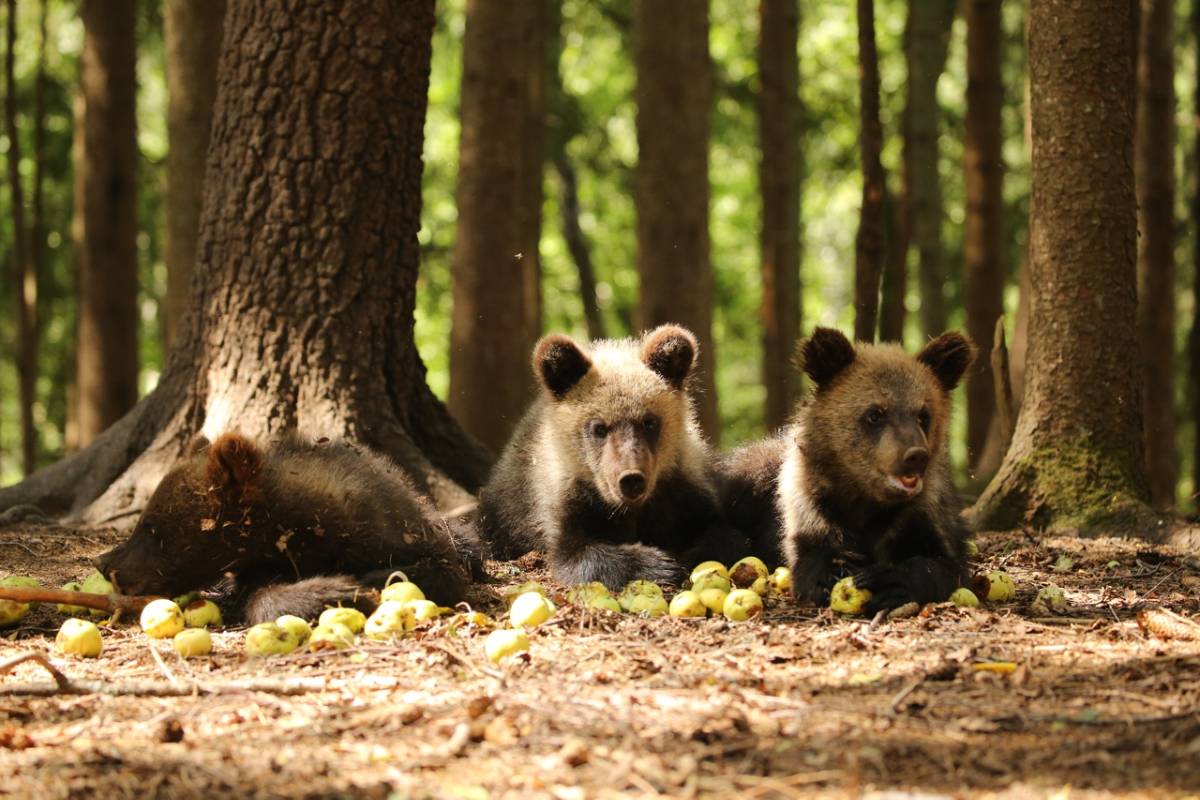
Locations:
(949, 356)
(671, 351)
(559, 363)
(233, 468)
(824, 354)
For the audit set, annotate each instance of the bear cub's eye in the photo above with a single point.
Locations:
(874, 416)
(650, 424)
(597, 429)
(924, 419)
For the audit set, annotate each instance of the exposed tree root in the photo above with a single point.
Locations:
(118, 605)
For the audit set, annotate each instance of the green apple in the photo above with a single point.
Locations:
(846, 598)
(192, 642)
(201, 614)
(162, 619)
(742, 605)
(531, 609)
(687, 604)
(78, 637)
(352, 618)
(504, 643)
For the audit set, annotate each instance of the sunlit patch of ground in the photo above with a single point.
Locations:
(797, 704)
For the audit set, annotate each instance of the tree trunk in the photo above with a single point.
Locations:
(1194, 339)
(1154, 144)
(674, 103)
(929, 24)
(984, 243)
(1077, 458)
(193, 43)
(577, 244)
(499, 196)
(894, 281)
(868, 250)
(779, 177)
(26, 284)
(302, 306)
(107, 349)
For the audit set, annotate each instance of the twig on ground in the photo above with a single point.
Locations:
(59, 678)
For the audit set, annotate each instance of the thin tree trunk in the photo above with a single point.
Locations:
(72, 435)
(1155, 169)
(107, 349)
(929, 24)
(1076, 463)
(894, 281)
(26, 288)
(985, 268)
(577, 244)
(289, 282)
(779, 177)
(499, 197)
(868, 262)
(674, 102)
(193, 44)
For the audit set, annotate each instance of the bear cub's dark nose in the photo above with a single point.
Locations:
(633, 485)
(916, 459)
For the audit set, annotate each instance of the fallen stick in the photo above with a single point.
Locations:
(291, 686)
(114, 604)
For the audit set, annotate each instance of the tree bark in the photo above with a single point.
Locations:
(26, 272)
(985, 267)
(929, 24)
(302, 306)
(893, 286)
(577, 244)
(1155, 169)
(674, 102)
(1077, 460)
(779, 178)
(192, 29)
(869, 244)
(1194, 338)
(496, 316)
(107, 348)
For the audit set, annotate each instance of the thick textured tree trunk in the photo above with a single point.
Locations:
(26, 272)
(984, 245)
(1155, 170)
(496, 301)
(302, 307)
(779, 177)
(193, 43)
(929, 24)
(107, 348)
(1194, 339)
(1077, 459)
(674, 102)
(869, 244)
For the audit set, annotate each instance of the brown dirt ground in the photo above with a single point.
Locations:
(798, 703)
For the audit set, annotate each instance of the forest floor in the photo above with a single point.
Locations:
(799, 703)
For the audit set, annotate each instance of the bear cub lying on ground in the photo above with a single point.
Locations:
(860, 482)
(299, 524)
(608, 472)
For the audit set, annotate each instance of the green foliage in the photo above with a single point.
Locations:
(593, 119)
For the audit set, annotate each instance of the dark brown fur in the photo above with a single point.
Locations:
(290, 521)
(862, 477)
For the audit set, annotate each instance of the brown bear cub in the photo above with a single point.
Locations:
(298, 524)
(860, 482)
(608, 472)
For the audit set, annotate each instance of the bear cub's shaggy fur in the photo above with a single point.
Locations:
(299, 525)
(608, 472)
(860, 482)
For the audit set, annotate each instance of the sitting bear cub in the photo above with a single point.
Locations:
(298, 524)
(860, 482)
(608, 472)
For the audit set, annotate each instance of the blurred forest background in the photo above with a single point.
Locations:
(590, 154)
